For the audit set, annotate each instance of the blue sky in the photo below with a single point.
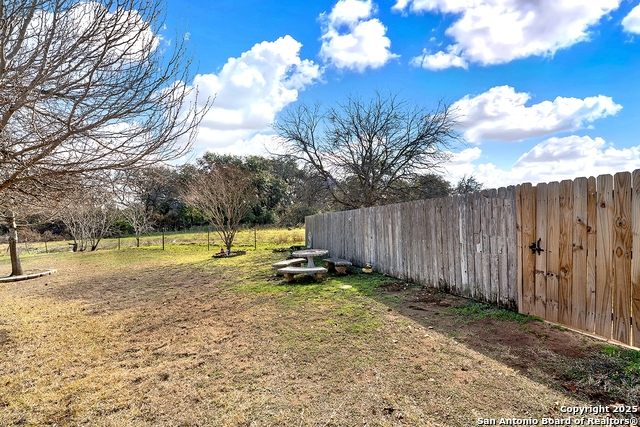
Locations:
(545, 89)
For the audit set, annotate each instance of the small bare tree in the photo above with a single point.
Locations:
(135, 190)
(367, 151)
(138, 215)
(86, 87)
(221, 193)
(89, 216)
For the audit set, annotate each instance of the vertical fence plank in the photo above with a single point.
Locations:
(591, 254)
(579, 279)
(441, 252)
(444, 258)
(540, 274)
(464, 245)
(635, 261)
(520, 253)
(412, 231)
(503, 263)
(396, 246)
(379, 238)
(380, 247)
(392, 248)
(425, 255)
(552, 249)
(471, 249)
(478, 291)
(493, 241)
(512, 247)
(366, 237)
(566, 253)
(369, 222)
(457, 245)
(528, 207)
(450, 245)
(622, 257)
(404, 240)
(604, 251)
(431, 212)
(486, 245)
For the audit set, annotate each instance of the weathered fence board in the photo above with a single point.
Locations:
(478, 293)
(528, 206)
(622, 257)
(591, 255)
(520, 246)
(553, 250)
(566, 252)
(513, 270)
(635, 262)
(579, 258)
(604, 249)
(540, 274)
(501, 239)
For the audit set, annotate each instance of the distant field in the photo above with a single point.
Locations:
(198, 236)
(145, 337)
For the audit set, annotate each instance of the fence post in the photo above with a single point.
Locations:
(163, 228)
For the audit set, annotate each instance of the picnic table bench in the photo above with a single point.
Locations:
(337, 264)
(290, 272)
(293, 262)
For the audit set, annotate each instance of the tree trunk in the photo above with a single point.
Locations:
(16, 266)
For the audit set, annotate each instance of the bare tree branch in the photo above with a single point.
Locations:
(222, 194)
(368, 150)
(85, 88)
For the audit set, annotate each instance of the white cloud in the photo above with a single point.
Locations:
(631, 22)
(351, 40)
(554, 159)
(501, 114)
(440, 60)
(498, 31)
(249, 91)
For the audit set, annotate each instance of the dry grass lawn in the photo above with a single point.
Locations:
(145, 337)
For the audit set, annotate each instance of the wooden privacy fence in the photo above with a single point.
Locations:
(562, 251)
(465, 245)
(577, 266)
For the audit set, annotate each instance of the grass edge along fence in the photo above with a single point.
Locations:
(562, 251)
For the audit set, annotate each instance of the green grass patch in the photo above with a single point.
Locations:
(629, 359)
(473, 310)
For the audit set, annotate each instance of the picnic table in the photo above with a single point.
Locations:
(310, 254)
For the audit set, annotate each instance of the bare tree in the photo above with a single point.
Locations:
(367, 151)
(221, 193)
(88, 214)
(136, 191)
(138, 215)
(86, 87)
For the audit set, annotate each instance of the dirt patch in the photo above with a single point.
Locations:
(565, 360)
(228, 255)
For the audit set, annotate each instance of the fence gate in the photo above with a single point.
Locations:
(576, 241)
